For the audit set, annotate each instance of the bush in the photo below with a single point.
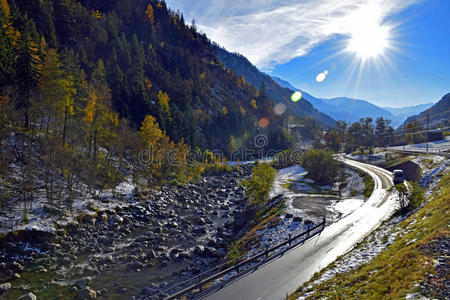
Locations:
(361, 150)
(287, 158)
(409, 199)
(369, 185)
(402, 195)
(234, 252)
(321, 165)
(416, 196)
(260, 184)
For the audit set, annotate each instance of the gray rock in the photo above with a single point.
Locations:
(151, 254)
(184, 255)
(221, 252)
(87, 294)
(199, 230)
(4, 287)
(65, 261)
(288, 215)
(17, 267)
(199, 221)
(29, 296)
(135, 266)
(116, 219)
(172, 225)
(297, 219)
(83, 282)
(210, 251)
(199, 250)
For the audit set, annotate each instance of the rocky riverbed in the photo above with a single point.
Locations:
(135, 251)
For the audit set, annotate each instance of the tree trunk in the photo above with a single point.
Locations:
(64, 127)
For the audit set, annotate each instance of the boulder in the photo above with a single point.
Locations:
(151, 254)
(172, 225)
(199, 231)
(297, 219)
(4, 287)
(17, 267)
(83, 282)
(210, 252)
(184, 255)
(87, 294)
(221, 252)
(29, 296)
(308, 222)
(199, 250)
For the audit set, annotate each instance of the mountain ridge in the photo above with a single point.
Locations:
(348, 109)
(439, 114)
(243, 67)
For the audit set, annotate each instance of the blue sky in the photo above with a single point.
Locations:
(301, 39)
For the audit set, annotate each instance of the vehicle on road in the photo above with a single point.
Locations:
(399, 176)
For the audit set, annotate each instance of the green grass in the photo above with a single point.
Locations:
(262, 220)
(369, 183)
(395, 272)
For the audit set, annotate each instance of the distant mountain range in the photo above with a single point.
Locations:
(351, 110)
(326, 111)
(439, 114)
(408, 111)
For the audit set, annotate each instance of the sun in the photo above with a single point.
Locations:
(369, 41)
(368, 37)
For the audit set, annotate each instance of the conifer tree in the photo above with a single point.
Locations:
(28, 73)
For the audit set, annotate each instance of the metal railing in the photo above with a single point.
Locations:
(235, 268)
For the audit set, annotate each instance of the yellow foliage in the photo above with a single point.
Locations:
(43, 45)
(115, 119)
(203, 75)
(68, 95)
(163, 100)
(148, 83)
(96, 14)
(243, 111)
(224, 111)
(150, 132)
(5, 7)
(253, 104)
(159, 5)
(150, 14)
(90, 107)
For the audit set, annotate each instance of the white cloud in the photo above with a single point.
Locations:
(269, 33)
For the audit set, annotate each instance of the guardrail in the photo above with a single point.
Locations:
(442, 151)
(239, 267)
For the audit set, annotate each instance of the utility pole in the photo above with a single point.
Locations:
(428, 124)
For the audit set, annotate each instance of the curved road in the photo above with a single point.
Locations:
(285, 274)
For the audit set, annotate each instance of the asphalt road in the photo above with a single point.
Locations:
(285, 274)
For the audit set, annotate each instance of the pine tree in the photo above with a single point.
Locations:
(28, 73)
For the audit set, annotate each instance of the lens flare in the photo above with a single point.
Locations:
(279, 109)
(296, 96)
(263, 122)
(321, 77)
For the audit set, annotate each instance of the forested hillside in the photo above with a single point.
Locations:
(133, 58)
(438, 114)
(243, 67)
